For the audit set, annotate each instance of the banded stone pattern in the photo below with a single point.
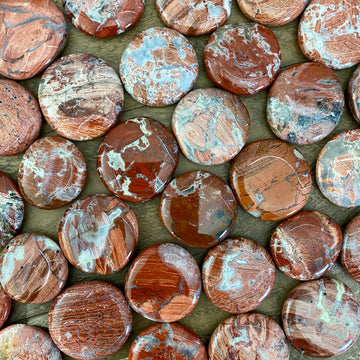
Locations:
(354, 94)
(5, 307)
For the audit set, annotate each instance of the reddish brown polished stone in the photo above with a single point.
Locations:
(52, 173)
(329, 32)
(11, 210)
(321, 318)
(137, 159)
(33, 269)
(243, 59)
(90, 320)
(5, 306)
(306, 245)
(20, 342)
(198, 209)
(98, 234)
(20, 117)
(103, 19)
(271, 179)
(354, 94)
(238, 275)
(350, 255)
(167, 341)
(32, 34)
(211, 125)
(163, 283)
(158, 67)
(249, 336)
(305, 103)
(81, 96)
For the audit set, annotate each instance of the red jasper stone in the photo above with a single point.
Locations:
(158, 67)
(306, 245)
(198, 209)
(248, 336)
(271, 179)
(33, 269)
(238, 275)
(243, 59)
(20, 117)
(103, 19)
(137, 159)
(272, 12)
(321, 318)
(329, 32)
(90, 320)
(163, 283)
(354, 94)
(11, 210)
(32, 34)
(98, 234)
(81, 96)
(194, 17)
(167, 341)
(305, 103)
(28, 342)
(350, 255)
(52, 173)
(211, 125)
(337, 171)
(5, 306)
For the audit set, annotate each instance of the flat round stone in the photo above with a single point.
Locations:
(33, 269)
(103, 19)
(137, 159)
(167, 341)
(238, 275)
(337, 172)
(306, 245)
(98, 234)
(20, 117)
(248, 336)
(321, 318)
(5, 306)
(198, 209)
(272, 12)
(22, 341)
(52, 173)
(211, 125)
(329, 32)
(350, 254)
(354, 94)
(194, 17)
(81, 96)
(163, 283)
(243, 59)
(32, 34)
(11, 210)
(158, 67)
(305, 103)
(90, 320)
(271, 179)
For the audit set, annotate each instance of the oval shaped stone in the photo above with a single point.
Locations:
(5, 306)
(354, 94)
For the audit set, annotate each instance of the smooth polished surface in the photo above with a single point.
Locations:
(81, 96)
(305, 103)
(211, 125)
(306, 245)
(98, 234)
(354, 94)
(158, 67)
(90, 320)
(163, 283)
(238, 275)
(137, 159)
(321, 318)
(271, 179)
(5, 306)
(243, 59)
(198, 209)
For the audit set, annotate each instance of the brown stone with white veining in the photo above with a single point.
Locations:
(5, 306)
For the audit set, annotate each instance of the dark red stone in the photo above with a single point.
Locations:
(238, 275)
(137, 159)
(321, 318)
(163, 283)
(354, 94)
(5, 307)
(90, 320)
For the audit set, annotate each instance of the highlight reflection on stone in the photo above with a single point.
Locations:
(354, 94)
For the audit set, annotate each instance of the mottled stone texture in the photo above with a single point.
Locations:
(354, 94)
(5, 307)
